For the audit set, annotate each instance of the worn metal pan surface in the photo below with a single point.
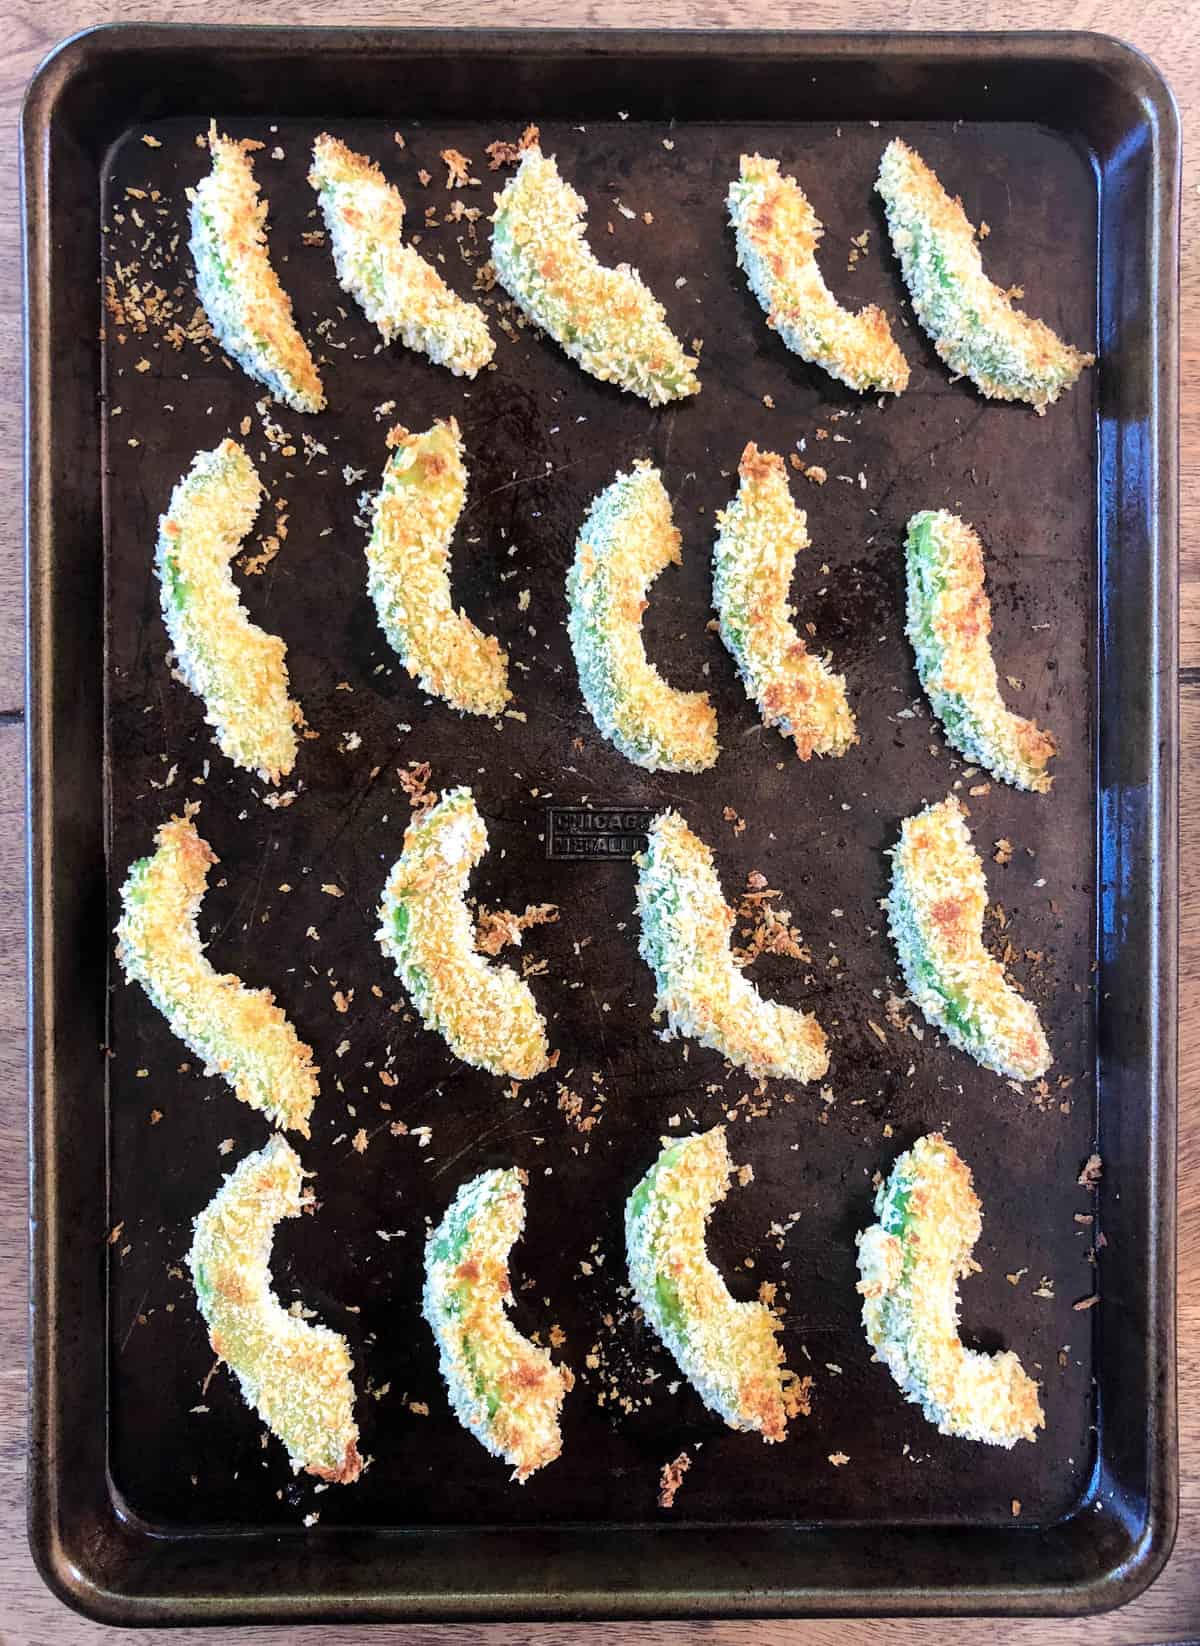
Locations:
(153, 1497)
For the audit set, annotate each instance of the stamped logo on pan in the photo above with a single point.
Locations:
(596, 831)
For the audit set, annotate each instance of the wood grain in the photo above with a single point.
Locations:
(1165, 29)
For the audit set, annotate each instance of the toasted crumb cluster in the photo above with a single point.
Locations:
(935, 911)
(759, 536)
(486, 1013)
(247, 308)
(627, 539)
(506, 1390)
(239, 1032)
(607, 320)
(949, 621)
(974, 326)
(777, 234)
(236, 668)
(727, 1350)
(686, 926)
(397, 289)
(296, 1375)
(408, 573)
(911, 1262)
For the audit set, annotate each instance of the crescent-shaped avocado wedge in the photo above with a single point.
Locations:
(685, 941)
(485, 1013)
(247, 308)
(759, 537)
(295, 1374)
(627, 539)
(949, 624)
(728, 1351)
(414, 519)
(935, 911)
(506, 1390)
(974, 325)
(239, 1032)
(777, 234)
(398, 291)
(910, 1264)
(607, 320)
(236, 668)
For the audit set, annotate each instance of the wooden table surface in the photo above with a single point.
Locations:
(1162, 28)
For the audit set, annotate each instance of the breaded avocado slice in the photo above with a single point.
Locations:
(935, 911)
(973, 324)
(777, 233)
(414, 518)
(685, 942)
(247, 308)
(296, 1375)
(727, 1350)
(911, 1262)
(506, 1390)
(607, 320)
(485, 1013)
(949, 621)
(236, 668)
(396, 288)
(627, 539)
(239, 1032)
(759, 536)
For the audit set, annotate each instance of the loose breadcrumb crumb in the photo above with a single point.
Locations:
(670, 1479)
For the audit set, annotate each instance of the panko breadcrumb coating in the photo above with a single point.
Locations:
(239, 1032)
(727, 1350)
(506, 1390)
(777, 234)
(607, 320)
(911, 1262)
(627, 539)
(397, 289)
(759, 536)
(974, 326)
(685, 941)
(295, 1374)
(247, 308)
(236, 668)
(485, 1013)
(935, 911)
(949, 621)
(408, 573)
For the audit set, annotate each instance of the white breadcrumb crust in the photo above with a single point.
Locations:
(974, 326)
(236, 668)
(295, 1374)
(727, 1350)
(485, 1013)
(777, 233)
(910, 1263)
(414, 517)
(686, 925)
(626, 540)
(398, 291)
(240, 1033)
(759, 537)
(935, 911)
(607, 320)
(506, 1390)
(949, 622)
(247, 308)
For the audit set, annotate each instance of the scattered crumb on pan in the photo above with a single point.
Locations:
(495, 929)
(671, 1479)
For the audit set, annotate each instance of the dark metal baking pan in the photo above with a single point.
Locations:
(153, 1501)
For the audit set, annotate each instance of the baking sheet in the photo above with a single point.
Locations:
(541, 439)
